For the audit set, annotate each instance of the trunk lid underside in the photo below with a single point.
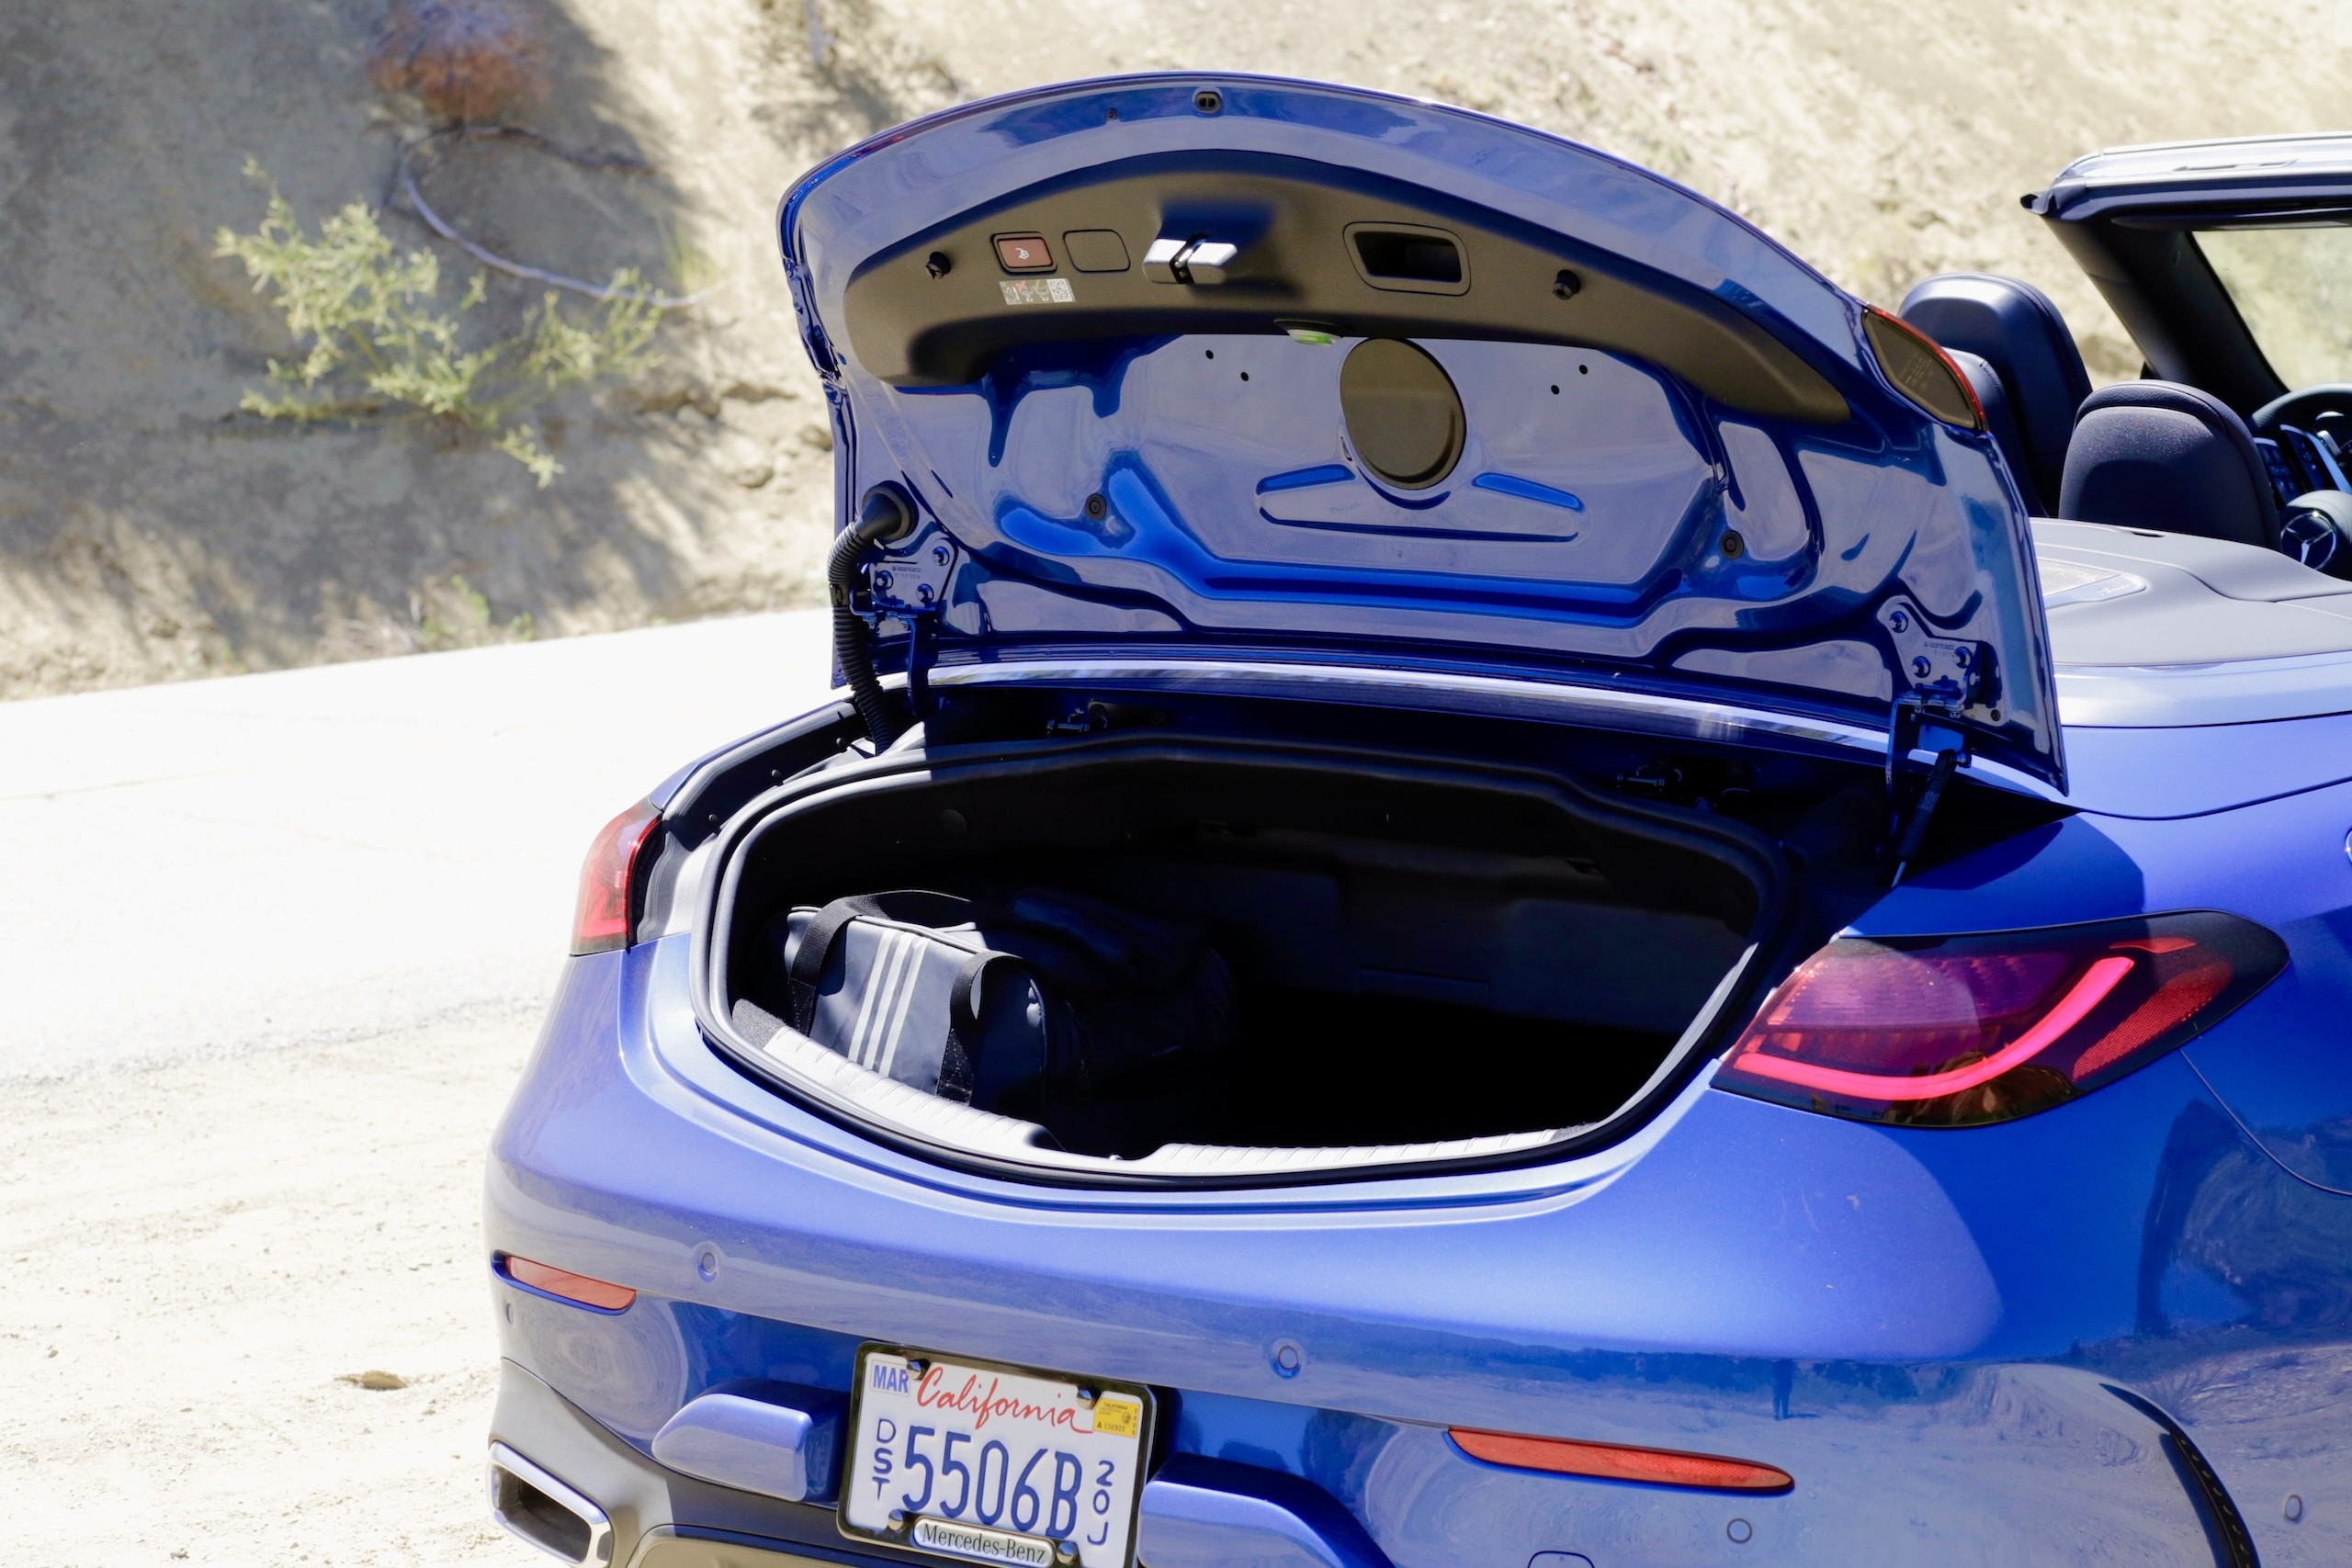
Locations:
(1299, 371)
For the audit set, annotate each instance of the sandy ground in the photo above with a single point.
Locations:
(322, 855)
(277, 946)
(201, 1259)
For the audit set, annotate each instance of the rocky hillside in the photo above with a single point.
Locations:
(149, 530)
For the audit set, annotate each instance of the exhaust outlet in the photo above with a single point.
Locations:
(542, 1510)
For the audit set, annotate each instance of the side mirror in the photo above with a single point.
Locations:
(2316, 529)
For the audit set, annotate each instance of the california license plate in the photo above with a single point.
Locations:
(993, 1464)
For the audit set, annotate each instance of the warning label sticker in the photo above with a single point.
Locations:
(1036, 292)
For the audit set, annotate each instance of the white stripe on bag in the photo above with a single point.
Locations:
(865, 1001)
(902, 980)
(891, 955)
(889, 1046)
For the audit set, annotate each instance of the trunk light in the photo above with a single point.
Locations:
(548, 1280)
(1951, 1031)
(1614, 1462)
(606, 917)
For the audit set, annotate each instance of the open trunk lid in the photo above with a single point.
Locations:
(1215, 369)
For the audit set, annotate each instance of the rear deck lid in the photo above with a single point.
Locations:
(1227, 367)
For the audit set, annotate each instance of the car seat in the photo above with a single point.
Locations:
(2159, 454)
(2014, 329)
(2000, 419)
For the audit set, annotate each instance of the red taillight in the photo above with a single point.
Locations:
(602, 1294)
(606, 914)
(1614, 1462)
(1953, 1031)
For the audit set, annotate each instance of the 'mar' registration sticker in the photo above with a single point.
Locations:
(992, 1463)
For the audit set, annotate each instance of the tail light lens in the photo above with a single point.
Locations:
(1955, 1032)
(605, 917)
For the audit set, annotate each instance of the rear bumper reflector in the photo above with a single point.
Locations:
(562, 1283)
(1614, 1462)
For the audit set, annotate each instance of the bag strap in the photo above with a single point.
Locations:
(912, 906)
(957, 1067)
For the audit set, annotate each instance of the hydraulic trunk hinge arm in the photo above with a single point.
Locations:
(1945, 678)
(1912, 728)
(909, 586)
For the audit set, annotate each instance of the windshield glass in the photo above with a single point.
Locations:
(2294, 288)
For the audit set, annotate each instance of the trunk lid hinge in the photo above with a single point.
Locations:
(1940, 673)
(1946, 677)
(910, 587)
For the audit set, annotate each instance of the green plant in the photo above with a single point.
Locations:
(690, 267)
(452, 613)
(379, 342)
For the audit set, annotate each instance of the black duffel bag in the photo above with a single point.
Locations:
(1003, 1005)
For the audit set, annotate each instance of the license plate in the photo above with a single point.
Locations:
(994, 1464)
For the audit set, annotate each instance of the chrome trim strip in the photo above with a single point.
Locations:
(600, 1528)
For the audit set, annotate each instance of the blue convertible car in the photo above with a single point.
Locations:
(1480, 898)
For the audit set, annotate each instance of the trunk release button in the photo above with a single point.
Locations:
(1024, 252)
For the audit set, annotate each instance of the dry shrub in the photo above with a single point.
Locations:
(467, 59)
(377, 341)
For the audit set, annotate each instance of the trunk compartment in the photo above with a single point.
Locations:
(1432, 961)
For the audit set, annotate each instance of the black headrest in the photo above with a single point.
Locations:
(2000, 419)
(2014, 328)
(2159, 454)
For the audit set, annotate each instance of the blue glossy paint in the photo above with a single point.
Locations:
(1528, 490)
(2289, 1081)
(2186, 773)
(1597, 538)
(1965, 1345)
(1307, 478)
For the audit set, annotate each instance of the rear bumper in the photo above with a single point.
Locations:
(659, 1518)
(1957, 1345)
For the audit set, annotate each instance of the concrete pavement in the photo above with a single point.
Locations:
(341, 851)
